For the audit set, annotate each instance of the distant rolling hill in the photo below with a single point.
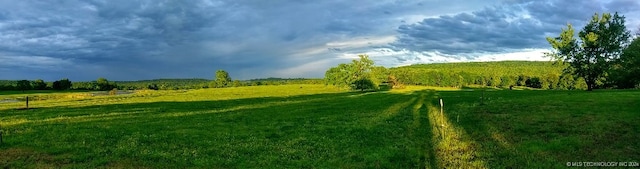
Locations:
(498, 68)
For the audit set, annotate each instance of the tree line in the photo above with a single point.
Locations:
(223, 79)
(534, 74)
(102, 84)
(37, 84)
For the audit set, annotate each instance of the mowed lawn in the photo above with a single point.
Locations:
(316, 126)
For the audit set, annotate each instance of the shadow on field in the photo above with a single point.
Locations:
(344, 130)
(477, 131)
(336, 130)
(538, 129)
(159, 109)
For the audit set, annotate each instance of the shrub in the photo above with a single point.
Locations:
(113, 91)
(363, 84)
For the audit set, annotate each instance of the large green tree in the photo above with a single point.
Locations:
(361, 73)
(222, 79)
(339, 75)
(357, 74)
(592, 56)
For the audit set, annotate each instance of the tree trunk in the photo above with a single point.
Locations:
(591, 85)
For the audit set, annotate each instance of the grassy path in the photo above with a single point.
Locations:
(448, 145)
(539, 129)
(515, 129)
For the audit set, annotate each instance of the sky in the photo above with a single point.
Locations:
(150, 39)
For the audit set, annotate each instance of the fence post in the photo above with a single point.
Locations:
(442, 121)
(441, 107)
(27, 102)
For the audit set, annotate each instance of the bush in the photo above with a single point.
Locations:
(113, 91)
(153, 87)
(534, 83)
(363, 84)
(506, 81)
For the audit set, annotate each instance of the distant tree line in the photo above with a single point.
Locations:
(552, 79)
(38, 84)
(102, 84)
(278, 81)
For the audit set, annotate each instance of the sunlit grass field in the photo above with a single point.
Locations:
(317, 126)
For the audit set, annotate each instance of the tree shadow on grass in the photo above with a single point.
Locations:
(431, 160)
(322, 130)
(284, 121)
(491, 144)
(155, 108)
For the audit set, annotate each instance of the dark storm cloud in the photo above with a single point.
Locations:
(120, 39)
(142, 39)
(145, 39)
(508, 27)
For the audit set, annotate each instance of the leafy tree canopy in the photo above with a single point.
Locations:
(600, 44)
(357, 75)
(222, 79)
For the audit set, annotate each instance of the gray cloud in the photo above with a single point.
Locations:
(512, 26)
(145, 39)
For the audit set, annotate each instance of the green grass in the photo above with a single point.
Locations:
(315, 126)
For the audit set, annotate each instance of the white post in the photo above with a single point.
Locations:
(444, 133)
(441, 107)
